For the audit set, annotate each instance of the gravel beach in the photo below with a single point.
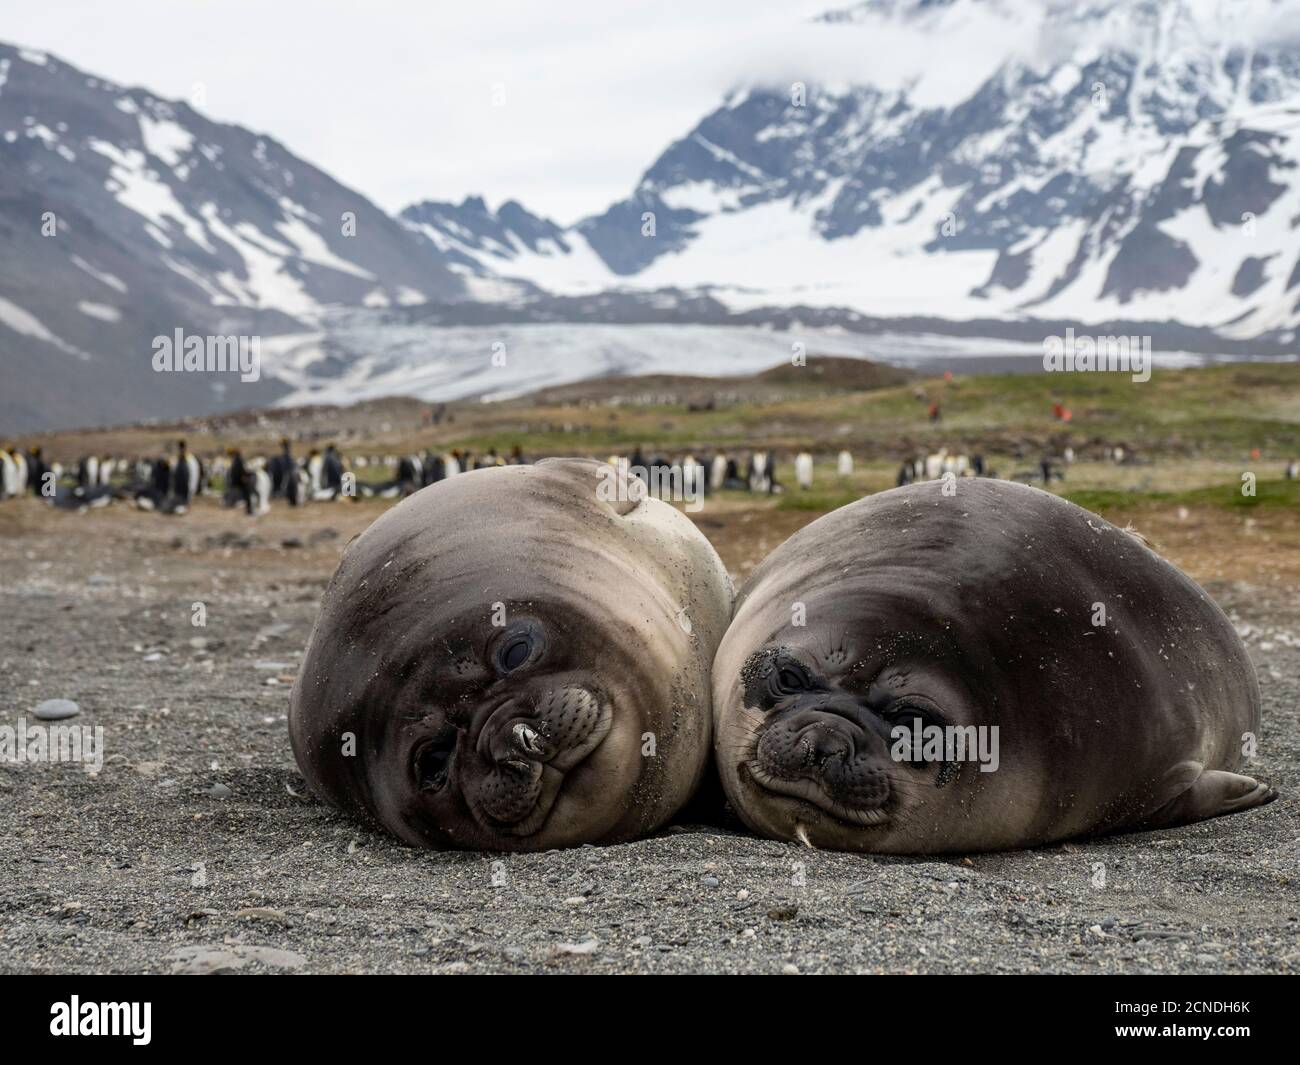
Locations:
(195, 848)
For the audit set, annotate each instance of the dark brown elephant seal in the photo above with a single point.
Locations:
(507, 661)
(928, 620)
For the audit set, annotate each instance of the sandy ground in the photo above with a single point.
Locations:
(196, 849)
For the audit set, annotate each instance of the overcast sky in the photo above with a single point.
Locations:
(395, 97)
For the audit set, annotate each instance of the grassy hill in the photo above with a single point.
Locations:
(1217, 414)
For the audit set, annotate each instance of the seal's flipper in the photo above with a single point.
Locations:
(1209, 793)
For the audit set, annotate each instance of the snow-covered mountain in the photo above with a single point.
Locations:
(991, 169)
(1068, 159)
(124, 216)
(510, 242)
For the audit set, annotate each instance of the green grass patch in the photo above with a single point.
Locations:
(1100, 500)
(1227, 496)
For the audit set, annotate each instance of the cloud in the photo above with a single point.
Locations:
(396, 98)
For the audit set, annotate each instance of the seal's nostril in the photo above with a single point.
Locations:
(527, 738)
(819, 745)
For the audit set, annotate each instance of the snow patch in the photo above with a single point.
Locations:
(139, 188)
(102, 276)
(311, 246)
(27, 324)
(165, 139)
(265, 282)
(102, 311)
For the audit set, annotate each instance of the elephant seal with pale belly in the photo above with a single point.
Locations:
(515, 659)
(1022, 634)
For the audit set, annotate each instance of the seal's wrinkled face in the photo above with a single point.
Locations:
(809, 740)
(505, 726)
(508, 661)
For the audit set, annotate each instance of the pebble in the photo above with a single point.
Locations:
(710, 881)
(216, 960)
(261, 913)
(56, 709)
(206, 960)
(219, 791)
(280, 959)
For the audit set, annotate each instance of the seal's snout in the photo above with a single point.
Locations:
(823, 755)
(808, 743)
(525, 748)
(560, 726)
(822, 741)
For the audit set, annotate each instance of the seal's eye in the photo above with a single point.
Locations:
(515, 653)
(522, 643)
(433, 762)
(905, 716)
(790, 680)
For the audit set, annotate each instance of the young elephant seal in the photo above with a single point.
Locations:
(1120, 694)
(515, 659)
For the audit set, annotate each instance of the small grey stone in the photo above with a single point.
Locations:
(205, 960)
(56, 709)
(280, 959)
(219, 791)
(710, 881)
